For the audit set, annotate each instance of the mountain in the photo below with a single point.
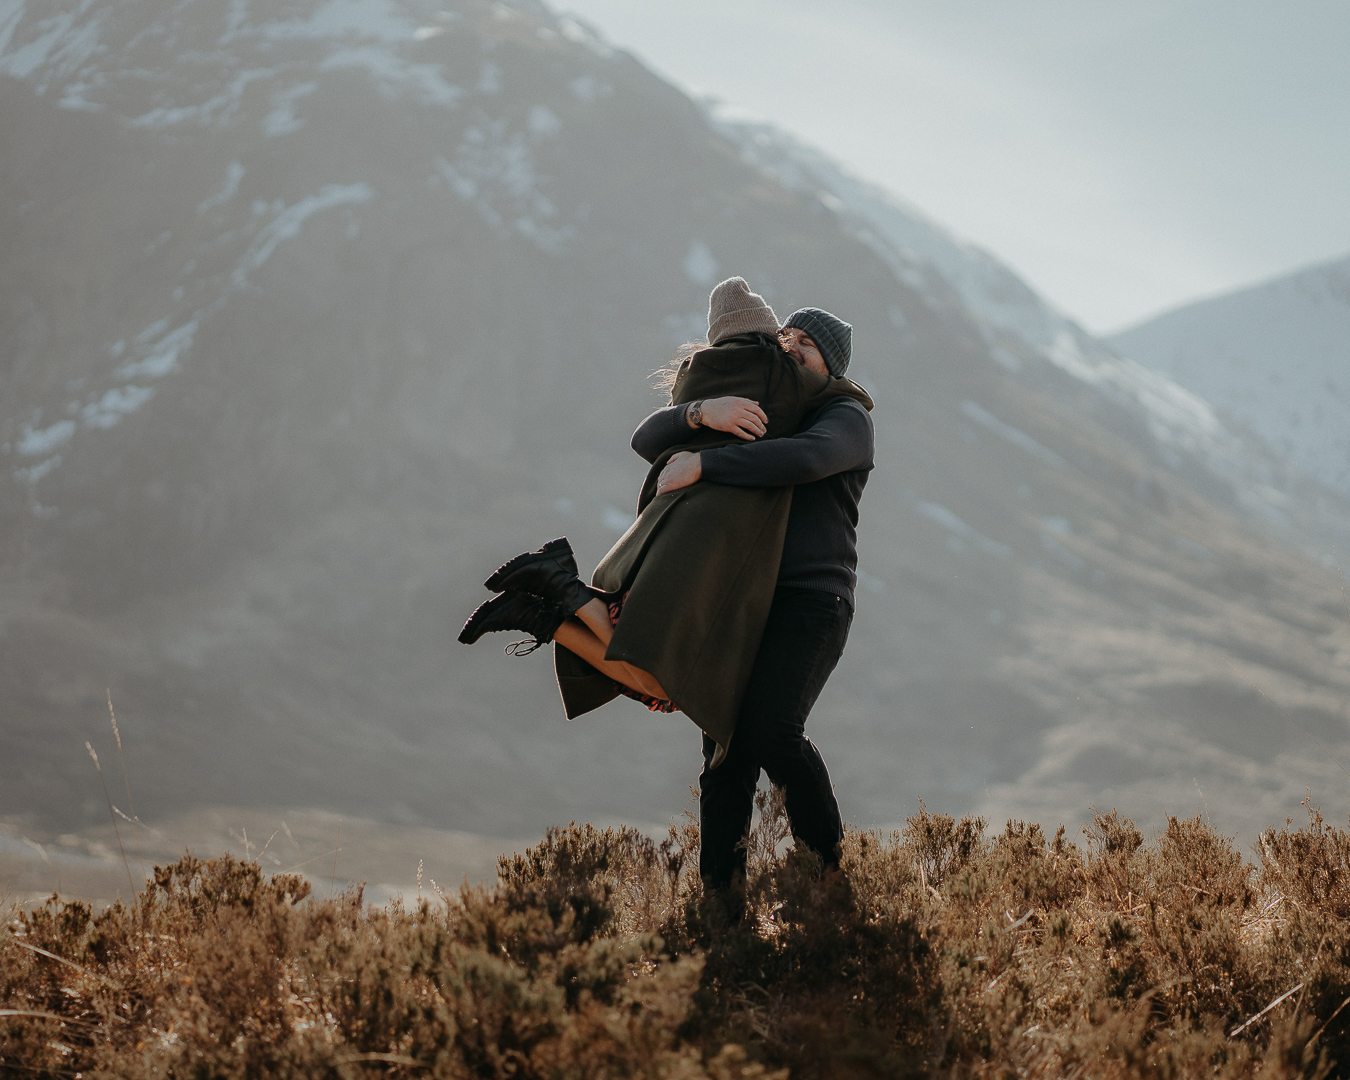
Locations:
(1021, 328)
(1275, 357)
(314, 312)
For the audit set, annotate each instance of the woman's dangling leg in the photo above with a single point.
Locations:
(579, 635)
(595, 614)
(551, 573)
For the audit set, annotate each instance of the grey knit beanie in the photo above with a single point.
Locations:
(833, 336)
(733, 309)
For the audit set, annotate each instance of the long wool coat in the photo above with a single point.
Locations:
(700, 564)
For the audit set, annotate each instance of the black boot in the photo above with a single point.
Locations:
(515, 611)
(550, 572)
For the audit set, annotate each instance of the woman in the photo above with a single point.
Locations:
(676, 610)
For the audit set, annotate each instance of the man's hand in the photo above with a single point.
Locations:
(736, 416)
(681, 470)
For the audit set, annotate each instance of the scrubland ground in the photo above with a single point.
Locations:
(941, 952)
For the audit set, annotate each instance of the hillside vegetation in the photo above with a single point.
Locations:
(944, 953)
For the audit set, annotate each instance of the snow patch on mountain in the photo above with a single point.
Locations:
(1012, 435)
(43, 441)
(495, 170)
(68, 50)
(543, 122)
(282, 119)
(32, 474)
(163, 357)
(61, 45)
(376, 20)
(11, 11)
(395, 76)
(489, 79)
(157, 351)
(587, 88)
(288, 222)
(234, 173)
(1175, 416)
(959, 534)
(218, 109)
(116, 403)
(700, 266)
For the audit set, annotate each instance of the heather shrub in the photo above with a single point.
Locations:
(941, 950)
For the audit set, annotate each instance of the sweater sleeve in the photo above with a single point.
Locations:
(839, 439)
(663, 429)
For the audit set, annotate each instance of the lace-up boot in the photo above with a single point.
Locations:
(549, 573)
(515, 611)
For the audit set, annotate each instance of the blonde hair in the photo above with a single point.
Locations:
(664, 378)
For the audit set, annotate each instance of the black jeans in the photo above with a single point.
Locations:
(803, 641)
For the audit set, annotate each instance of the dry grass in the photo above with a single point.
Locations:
(942, 953)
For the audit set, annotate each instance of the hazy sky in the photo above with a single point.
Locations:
(1124, 157)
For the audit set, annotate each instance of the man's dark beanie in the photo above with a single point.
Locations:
(833, 336)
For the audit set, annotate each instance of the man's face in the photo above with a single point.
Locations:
(797, 344)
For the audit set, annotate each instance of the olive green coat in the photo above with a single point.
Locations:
(700, 564)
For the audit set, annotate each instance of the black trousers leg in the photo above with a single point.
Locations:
(803, 640)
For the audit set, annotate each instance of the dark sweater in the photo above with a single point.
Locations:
(827, 463)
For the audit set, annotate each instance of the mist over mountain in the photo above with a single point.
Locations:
(314, 312)
(1275, 356)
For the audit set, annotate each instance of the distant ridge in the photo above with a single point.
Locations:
(1274, 356)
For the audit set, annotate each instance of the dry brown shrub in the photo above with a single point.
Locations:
(939, 952)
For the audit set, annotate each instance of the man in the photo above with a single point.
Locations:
(827, 463)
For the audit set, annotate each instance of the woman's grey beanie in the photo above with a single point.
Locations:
(733, 309)
(833, 336)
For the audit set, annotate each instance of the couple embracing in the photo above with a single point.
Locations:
(730, 598)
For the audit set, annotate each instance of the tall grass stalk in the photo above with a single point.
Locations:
(112, 817)
(135, 824)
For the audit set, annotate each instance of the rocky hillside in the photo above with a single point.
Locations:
(313, 312)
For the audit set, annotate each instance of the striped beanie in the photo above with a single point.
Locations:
(833, 336)
(733, 309)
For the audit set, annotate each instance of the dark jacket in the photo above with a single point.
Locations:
(700, 564)
(827, 462)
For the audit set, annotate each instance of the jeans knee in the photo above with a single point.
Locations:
(733, 775)
(784, 749)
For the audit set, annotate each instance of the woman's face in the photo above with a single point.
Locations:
(797, 344)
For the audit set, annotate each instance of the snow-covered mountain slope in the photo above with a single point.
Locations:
(1275, 356)
(314, 311)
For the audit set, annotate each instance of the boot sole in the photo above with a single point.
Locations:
(508, 568)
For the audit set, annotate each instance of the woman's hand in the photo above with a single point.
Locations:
(736, 416)
(682, 469)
